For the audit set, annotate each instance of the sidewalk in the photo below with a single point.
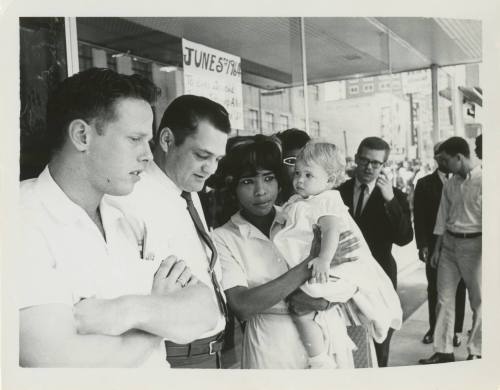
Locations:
(406, 344)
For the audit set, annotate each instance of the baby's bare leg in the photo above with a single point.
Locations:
(310, 334)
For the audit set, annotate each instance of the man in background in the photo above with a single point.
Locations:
(425, 208)
(381, 212)
(458, 249)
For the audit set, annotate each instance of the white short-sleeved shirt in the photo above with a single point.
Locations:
(250, 259)
(65, 257)
(156, 206)
(460, 209)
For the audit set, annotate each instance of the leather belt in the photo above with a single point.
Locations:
(464, 235)
(207, 346)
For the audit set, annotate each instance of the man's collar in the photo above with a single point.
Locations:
(157, 175)
(443, 176)
(246, 229)
(370, 185)
(62, 207)
(474, 172)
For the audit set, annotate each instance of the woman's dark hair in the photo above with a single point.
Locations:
(91, 95)
(247, 157)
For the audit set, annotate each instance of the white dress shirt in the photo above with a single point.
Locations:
(460, 209)
(66, 258)
(156, 207)
(442, 176)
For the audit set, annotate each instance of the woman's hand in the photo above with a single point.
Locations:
(316, 242)
(348, 243)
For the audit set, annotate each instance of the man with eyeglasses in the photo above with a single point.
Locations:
(381, 211)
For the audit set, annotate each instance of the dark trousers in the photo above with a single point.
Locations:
(431, 274)
(382, 349)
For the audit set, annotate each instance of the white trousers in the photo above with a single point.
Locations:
(460, 258)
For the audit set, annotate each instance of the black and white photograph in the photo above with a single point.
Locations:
(268, 200)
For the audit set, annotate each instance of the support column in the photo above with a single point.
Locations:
(436, 135)
(304, 74)
(71, 45)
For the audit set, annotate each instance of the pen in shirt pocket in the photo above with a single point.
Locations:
(143, 243)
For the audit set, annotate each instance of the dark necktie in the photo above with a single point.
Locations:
(208, 241)
(359, 205)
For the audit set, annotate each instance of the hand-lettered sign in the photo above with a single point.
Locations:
(216, 75)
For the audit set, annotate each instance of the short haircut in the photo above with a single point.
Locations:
(436, 147)
(91, 95)
(246, 158)
(454, 146)
(327, 156)
(479, 146)
(184, 114)
(293, 139)
(375, 143)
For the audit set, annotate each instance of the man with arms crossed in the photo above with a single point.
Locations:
(457, 253)
(90, 298)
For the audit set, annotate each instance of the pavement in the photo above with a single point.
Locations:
(406, 344)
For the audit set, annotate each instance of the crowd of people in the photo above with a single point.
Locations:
(145, 246)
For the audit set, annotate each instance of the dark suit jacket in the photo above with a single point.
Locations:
(382, 224)
(425, 208)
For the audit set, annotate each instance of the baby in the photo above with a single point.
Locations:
(319, 168)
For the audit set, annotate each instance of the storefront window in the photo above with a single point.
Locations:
(42, 67)
(270, 66)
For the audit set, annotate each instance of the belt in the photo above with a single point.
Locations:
(464, 235)
(207, 346)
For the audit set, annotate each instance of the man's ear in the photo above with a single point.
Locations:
(166, 139)
(79, 134)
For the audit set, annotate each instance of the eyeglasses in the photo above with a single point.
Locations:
(374, 163)
(290, 161)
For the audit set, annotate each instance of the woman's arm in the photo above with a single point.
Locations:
(245, 302)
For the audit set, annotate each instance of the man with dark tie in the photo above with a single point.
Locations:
(381, 211)
(190, 142)
(425, 208)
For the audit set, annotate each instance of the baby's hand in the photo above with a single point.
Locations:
(320, 270)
